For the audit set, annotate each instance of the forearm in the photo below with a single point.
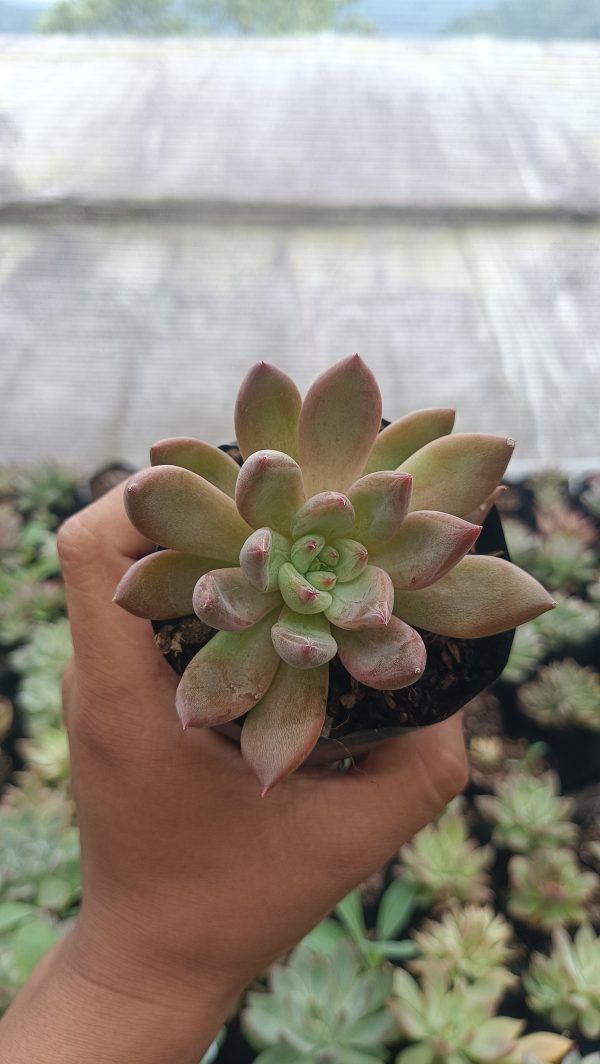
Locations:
(63, 1017)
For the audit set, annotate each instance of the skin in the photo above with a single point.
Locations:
(193, 884)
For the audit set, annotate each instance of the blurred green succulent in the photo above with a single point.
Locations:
(564, 694)
(560, 560)
(44, 491)
(528, 650)
(467, 945)
(548, 889)
(40, 662)
(444, 864)
(565, 986)
(333, 538)
(39, 848)
(26, 933)
(572, 622)
(576, 1058)
(25, 601)
(528, 814)
(375, 947)
(321, 1009)
(450, 1025)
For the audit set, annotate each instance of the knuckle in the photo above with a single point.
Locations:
(70, 540)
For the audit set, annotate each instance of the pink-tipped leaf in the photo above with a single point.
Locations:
(363, 603)
(353, 559)
(481, 596)
(261, 557)
(161, 585)
(339, 422)
(303, 641)
(280, 732)
(228, 676)
(380, 502)
(408, 434)
(457, 473)
(224, 599)
(329, 514)
(202, 458)
(269, 490)
(427, 546)
(178, 509)
(384, 658)
(323, 579)
(298, 593)
(305, 552)
(267, 411)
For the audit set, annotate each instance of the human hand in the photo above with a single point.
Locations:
(192, 883)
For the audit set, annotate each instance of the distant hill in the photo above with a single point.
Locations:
(18, 18)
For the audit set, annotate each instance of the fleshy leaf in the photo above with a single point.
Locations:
(303, 641)
(339, 422)
(305, 552)
(224, 599)
(380, 502)
(329, 556)
(540, 1045)
(178, 509)
(428, 545)
(457, 473)
(353, 559)
(202, 458)
(280, 732)
(481, 596)
(408, 434)
(323, 580)
(299, 594)
(386, 658)
(267, 410)
(363, 603)
(228, 676)
(269, 490)
(261, 557)
(161, 585)
(328, 514)
(495, 1038)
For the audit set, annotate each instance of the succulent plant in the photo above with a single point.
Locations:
(40, 662)
(333, 538)
(26, 934)
(450, 1024)
(565, 986)
(467, 945)
(572, 622)
(321, 1009)
(564, 694)
(444, 864)
(548, 889)
(45, 491)
(576, 1058)
(529, 648)
(25, 601)
(39, 848)
(527, 813)
(561, 560)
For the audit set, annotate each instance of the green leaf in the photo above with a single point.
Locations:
(350, 912)
(29, 943)
(54, 893)
(397, 951)
(325, 936)
(395, 908)
(12, 913)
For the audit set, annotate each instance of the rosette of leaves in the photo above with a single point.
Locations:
(564, 694)
(529, 648)
(470, 944)
(333, 538)
(528, 814)
(549, 890)
(561, 559)
(40, 663)
(321, 1009)
(565, 986)
(39, 848)
(572, 622)
(450, 1024)
(444, 864)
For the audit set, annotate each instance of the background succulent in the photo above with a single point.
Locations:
(321, 1009)
(469, 944)
(454, 1024)
(548, 889)
(444, 864)
(26, 933)
(333, 538)
(564, 694)
(527, 813)
(565, 986)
